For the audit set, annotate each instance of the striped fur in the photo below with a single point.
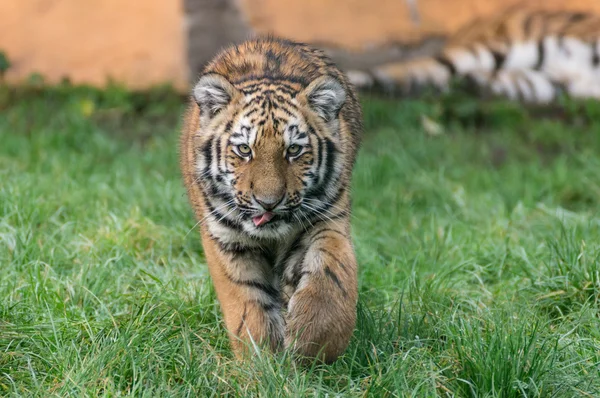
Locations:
(292, 280)
(525, 54)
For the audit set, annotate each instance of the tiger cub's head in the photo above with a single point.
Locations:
(270, 155)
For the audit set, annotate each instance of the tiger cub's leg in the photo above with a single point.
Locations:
(249, 297)
(321, 283)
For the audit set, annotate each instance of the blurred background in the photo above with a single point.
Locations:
(476, 221)
(144, 43)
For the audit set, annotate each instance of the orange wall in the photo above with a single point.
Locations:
(145, 42)
(141, 42)
(360, 24)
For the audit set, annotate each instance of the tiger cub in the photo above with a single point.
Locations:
(523, 53)
(267, 151)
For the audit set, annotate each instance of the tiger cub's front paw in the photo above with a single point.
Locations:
(321, 317)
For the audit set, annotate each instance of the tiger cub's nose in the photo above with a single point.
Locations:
(269, 202)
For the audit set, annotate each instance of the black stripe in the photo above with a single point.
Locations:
(267, 289)
(334, 257)
(330, 158)
(301, 80)
(297, 277)
(266, 306)
(285, 89)
(328, 203)
(541, 55)
(270, 94)
(253, 88)
(211, 189)
(499, 59)
(321, 234)
(444, 61)
(206, 151)
(270, 256)
(219, 217)
(595, 54)
(251, 112)
(327, 206)
(235, 249)
(318, 238)
(254, 79)
(286, 111)
(218, 158)
(319, 148)
(335, 279)
(577, 17)
(284, 101)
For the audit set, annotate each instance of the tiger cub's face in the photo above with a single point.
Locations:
(271, 155)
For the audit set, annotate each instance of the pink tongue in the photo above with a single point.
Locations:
(263, 218)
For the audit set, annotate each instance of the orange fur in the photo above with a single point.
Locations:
(524, 53)
(293, 281)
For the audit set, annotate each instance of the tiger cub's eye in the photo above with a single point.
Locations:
(244, 149)
(294, 149)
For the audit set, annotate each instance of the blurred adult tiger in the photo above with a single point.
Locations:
(523, 53)
(267, 150)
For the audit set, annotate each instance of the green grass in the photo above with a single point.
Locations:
(479, 253)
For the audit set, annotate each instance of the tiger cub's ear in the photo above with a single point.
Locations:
(213, 93)
(326, 96)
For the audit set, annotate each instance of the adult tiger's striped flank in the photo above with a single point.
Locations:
(267, 150)
(523, 53)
